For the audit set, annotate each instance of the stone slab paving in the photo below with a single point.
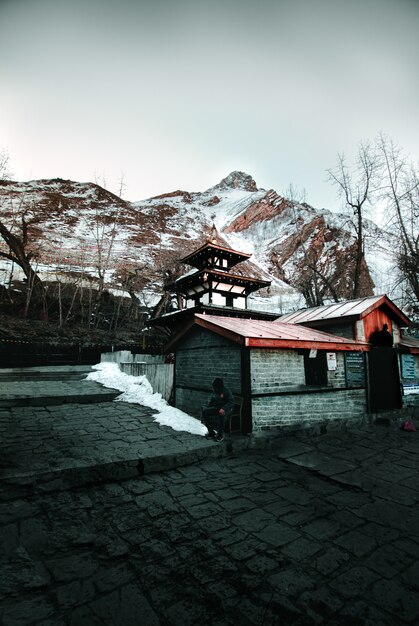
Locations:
(76, 444)
(60, 430)
(310, 530)
(264, 537)
(41, 386)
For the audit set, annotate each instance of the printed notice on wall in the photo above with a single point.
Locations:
(408, 366)
(410, 389)
(331, 361)
(355, 369)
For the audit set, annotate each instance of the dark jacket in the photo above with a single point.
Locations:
(226, 403)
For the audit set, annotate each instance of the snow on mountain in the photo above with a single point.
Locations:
(84, 229)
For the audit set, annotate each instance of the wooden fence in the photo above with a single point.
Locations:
(159, 375)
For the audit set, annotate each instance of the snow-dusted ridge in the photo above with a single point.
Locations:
(72, 219)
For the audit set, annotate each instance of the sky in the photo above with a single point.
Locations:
(176, 94)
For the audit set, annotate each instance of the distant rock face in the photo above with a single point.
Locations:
(269, 206)
(302, 250)
(237, 180)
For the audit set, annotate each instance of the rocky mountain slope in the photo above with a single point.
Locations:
(83, 230)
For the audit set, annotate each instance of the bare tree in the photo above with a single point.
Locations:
(105, 229)
(16, 222)
(401, 195)
(104, 235)
(312, 282)
(358, 185)
(5, 172)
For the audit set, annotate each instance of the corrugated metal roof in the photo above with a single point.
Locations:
(332, 311)
(410, 343)
(276, 330)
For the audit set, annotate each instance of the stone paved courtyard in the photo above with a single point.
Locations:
(318, 530)
(314, 529)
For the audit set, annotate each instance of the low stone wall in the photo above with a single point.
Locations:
(191, 401)
(411, 402)
(305, 410)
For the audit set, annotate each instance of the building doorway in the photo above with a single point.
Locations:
(384, 380)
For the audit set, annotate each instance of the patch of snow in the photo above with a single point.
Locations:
(137, 389)
(232, 204)
(190, 273)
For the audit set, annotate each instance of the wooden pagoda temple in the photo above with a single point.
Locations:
(212, 288)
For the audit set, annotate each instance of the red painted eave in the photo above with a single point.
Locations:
(301, 344)
(400, 317)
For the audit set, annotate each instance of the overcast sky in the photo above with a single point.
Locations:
(178, 93)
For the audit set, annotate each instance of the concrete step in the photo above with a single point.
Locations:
(64, 372)
(157, 459)
(9, 401)
(40, 376)
(32, 392)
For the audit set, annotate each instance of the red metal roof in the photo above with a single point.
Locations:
(351, 308)
(261, 333)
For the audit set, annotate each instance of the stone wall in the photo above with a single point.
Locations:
(273, 370)
(276, 370)
(337, 378)
(281, 372)
(201, 357)
(277, 378)
(302, 410)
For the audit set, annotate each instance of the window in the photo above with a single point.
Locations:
(218, 298)
(315, 368)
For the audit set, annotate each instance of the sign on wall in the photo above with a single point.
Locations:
(410, 389)
(408, 366)
(355, 369)
(331, 361)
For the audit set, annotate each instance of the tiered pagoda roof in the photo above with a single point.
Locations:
(212, 289)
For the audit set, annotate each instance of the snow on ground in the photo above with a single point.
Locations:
(138, 390)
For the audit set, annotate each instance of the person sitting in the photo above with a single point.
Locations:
(219, 406)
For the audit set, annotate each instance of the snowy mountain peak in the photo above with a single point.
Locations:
(300, 249)
(236, 180)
